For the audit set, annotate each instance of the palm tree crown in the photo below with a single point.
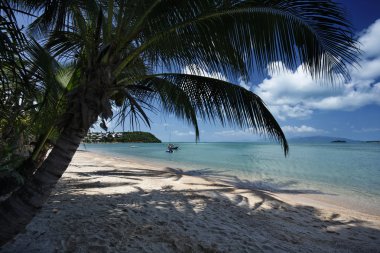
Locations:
(123, 44)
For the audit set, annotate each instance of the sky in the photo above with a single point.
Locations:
(302, 106)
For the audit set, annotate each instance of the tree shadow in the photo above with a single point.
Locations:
(218, 177)
(125, 173)
(191, 220)
(264, 190)
(268, 185)
(178, 173)
(225, 180)
(97, 184)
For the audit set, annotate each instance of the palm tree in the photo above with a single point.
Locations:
(31, 97)
(129, 54)
(16, 97)
(12, 71)
(51, 80)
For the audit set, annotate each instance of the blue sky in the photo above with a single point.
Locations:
(302, 106)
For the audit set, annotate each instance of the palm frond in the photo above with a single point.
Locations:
(50, 95)
(12, 43)
(171, 98)
(53, 15)
(133, 105)
(213, 99)
(219, 35)
(65, 44)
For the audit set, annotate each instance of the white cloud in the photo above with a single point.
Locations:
(193, 69)
(179, 133)
(369, 68)
(368, 130)
(244, 84)
(370, 40)
(294, 94)
(301, 129)
(235, 133)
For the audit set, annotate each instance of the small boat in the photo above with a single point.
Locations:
(171, 146)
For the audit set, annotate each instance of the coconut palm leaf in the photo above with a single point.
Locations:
(180, 33)
(12, 42)
(173, 100)
(188, 96)
(52, 15)
(51, 93)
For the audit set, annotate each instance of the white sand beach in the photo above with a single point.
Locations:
(108, 204)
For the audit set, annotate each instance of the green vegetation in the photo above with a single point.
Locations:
(108, 137)
(102, 60)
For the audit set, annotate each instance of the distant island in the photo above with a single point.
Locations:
(113, 137)
(322, 139)
(328, 139)
(338, 141)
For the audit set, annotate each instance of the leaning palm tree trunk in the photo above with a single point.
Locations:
(84, 107)
(19, 209)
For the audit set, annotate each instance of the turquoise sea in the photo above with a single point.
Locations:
(349, 171)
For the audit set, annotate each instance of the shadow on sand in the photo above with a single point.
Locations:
(192, 220)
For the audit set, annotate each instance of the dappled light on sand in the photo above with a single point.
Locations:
(104, 203)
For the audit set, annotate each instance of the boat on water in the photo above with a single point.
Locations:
(171, 147)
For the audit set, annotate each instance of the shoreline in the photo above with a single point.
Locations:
(326, 200)
(109, 204)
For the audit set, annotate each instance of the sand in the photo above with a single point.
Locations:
(108, 204)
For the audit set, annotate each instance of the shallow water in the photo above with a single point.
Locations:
(345, 169)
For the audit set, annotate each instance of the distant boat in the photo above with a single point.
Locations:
(171, 147)
(338, 141)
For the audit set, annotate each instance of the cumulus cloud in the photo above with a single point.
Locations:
(301, 129)
(370, 40)
(368, 130)
(231, 133)
(235, 133)
(188, 133)
(244, 84)
(294, 94)
(193, 69)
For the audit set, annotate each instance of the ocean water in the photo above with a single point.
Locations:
(349, 170)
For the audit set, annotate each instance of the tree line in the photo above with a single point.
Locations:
(110, 137)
